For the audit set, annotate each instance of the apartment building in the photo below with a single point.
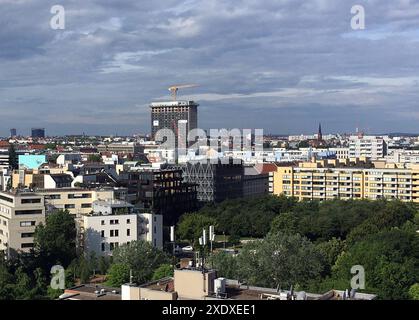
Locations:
(113, 223)
(20, 213)
(331, 179)
(341, 153)
(77, 201)
(367, 146)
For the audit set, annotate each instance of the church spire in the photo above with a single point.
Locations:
(320, 135)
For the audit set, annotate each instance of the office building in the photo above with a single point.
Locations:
(13, 133)
(38, 133)
(174, 115)
(217, 181)
(20, 213)
(114, 223)
(160, 191)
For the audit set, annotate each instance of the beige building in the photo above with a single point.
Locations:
(20, 213)
(77, 201)
(348, 179)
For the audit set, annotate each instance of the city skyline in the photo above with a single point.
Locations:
(281, 66)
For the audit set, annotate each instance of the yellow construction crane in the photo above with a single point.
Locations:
(175, 89)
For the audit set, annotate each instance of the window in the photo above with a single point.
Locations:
(111, 246)
(86, 205)
(38, 200)
(27, 223)
(102, 233)
(102, 222)
(6, 199)
(53, 196)
(128, 221)
(27, 235)
(116, 233)
(155, 229)
(103, 246)
(26, 245)
(128, 232)
(69, 206)
(112, 233)
(23, 212)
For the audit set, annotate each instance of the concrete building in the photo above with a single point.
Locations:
(167, 115)
(351, 179)
(113, 223)
(367, 146)
(20, 213)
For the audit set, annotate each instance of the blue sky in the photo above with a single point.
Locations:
(280, 65)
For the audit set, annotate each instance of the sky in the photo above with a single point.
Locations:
(278, 65)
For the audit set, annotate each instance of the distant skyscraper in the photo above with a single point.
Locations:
(38, 133)
(170, 115)
(13, 132)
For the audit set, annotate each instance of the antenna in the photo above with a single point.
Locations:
(130, 276)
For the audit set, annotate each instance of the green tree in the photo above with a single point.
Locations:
(285, 222)
(190, 226)
(55, 242)
(389, 261)
(165, 270)
(224, 263)
(279, 260)
(119, 274)
(103, 265)
(414, 291)
(6, 284)
(23, 288)
(330, 251)
(141, 257)
(94, 158)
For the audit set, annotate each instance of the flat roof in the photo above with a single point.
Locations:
(179, 103)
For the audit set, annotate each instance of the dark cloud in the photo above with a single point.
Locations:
(279, 65)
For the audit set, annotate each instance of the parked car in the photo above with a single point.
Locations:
(187, 248)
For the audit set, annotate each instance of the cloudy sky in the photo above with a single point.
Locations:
(280, 65)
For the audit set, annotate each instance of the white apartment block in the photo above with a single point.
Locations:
(367, 146)
(403, 156)
(20, 213)
(114, 223)
(341, 153)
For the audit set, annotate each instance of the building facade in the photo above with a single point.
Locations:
(215, 182)
(167, 115)
(367, 146)
(20, 213)
(114, 223)
(324, 180)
